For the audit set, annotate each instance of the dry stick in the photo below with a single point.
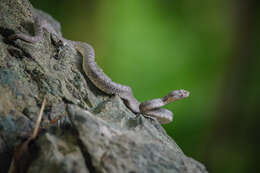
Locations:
(37, 126)
(22, 157)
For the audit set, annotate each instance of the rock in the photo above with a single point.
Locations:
(59, 153)
(99, 133)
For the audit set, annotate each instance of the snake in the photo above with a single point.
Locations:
(151, 108)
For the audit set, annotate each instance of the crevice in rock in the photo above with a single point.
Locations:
(86, 155)
(24, 156)
(5, 160)
(23, 52)
(17, 53)
(5, 32)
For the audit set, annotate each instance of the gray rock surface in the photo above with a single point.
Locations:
(99, 133)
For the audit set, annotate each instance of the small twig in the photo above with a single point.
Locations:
(22, 156)
(37, 125)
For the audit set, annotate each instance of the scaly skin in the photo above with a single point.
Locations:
(152, 107)
(103, 82)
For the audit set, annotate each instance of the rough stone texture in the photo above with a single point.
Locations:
(102, 134)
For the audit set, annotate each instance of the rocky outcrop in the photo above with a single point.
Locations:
(98, 133)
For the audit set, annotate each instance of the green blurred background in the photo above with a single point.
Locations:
(209, 47)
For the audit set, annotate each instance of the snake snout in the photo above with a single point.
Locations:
(179, 94)
(185, 93)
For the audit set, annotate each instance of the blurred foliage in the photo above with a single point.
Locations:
(156, 46)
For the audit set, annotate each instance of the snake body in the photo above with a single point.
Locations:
(101, 80)
(104, 83)
(151, 108)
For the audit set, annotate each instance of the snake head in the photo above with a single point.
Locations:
(176, 95)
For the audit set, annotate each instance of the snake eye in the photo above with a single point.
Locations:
(184, 93)
(179, 94)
